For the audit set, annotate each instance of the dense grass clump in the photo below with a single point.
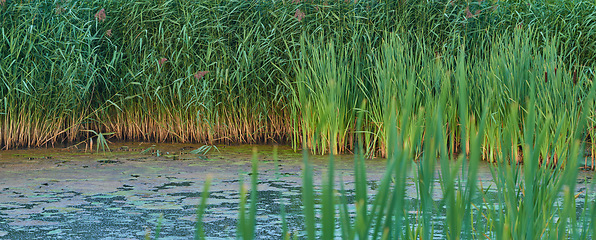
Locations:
(502, 82)
(290, 71)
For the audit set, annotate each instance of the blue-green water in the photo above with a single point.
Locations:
(70, 194)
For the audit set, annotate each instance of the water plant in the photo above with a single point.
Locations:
(178, 70)
(535, 191)
(530, 200)
(428, 85)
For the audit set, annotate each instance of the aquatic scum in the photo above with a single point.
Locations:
(509, 82)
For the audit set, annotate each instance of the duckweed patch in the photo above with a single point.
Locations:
(116, 195)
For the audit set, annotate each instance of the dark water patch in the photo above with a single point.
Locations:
(172, 185)
(231, 181)
(138, 159)
(108, 161)
(126, 187)
(373, 185)
(289, 187)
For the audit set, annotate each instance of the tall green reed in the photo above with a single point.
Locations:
(179, 70)
(532, 199)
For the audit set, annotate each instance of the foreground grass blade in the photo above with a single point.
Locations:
(308, 200)
(199, 228)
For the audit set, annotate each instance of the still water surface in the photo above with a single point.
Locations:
(70, 194)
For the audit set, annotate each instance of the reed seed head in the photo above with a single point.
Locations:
(299, 15)
(164, 60)
(59, 10)
(200, 74)
(109, 32)
(468, 13)
(100, 15)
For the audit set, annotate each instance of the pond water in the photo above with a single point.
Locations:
(70, 194)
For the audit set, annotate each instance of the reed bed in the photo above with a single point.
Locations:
(275, 71)
(527, 201)
(514, 71)
(425, 84)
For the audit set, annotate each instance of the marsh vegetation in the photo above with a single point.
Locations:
(425, 84)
